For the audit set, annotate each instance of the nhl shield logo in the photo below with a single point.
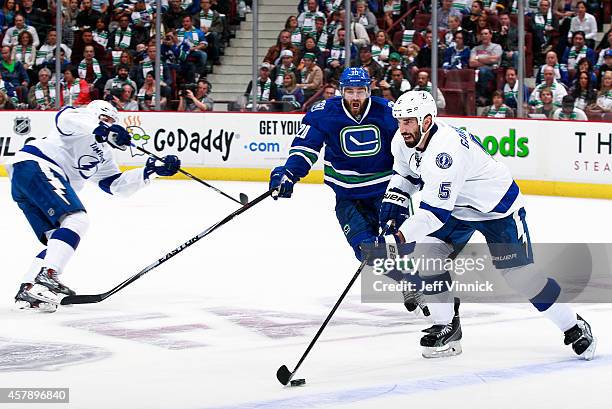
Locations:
(21, 125)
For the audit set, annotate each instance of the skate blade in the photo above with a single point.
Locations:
(589, 353)
(42, 293)
(451, 349)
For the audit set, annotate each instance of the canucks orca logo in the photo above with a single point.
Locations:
(444, 160)
(87, 166)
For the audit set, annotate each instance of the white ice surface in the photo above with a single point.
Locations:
(209, 328)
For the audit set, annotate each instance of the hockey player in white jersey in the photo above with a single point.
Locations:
(46, 175)
(463, 190)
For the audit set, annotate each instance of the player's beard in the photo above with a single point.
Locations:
(412, 139)
(356, 107)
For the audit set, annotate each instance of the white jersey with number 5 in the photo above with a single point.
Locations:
(457, 177)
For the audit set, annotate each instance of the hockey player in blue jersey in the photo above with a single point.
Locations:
(356, 129)
(464, 190)
(46, 175)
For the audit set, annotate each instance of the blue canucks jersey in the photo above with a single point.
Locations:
(357, 161)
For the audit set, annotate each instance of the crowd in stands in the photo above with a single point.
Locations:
(478, 54)
(108, 52)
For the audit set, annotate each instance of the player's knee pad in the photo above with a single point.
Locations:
(526, 280)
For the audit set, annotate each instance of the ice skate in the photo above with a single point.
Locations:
(48, 288)
(581, 338)
(414, 300)
(442, 340)
(25, 302)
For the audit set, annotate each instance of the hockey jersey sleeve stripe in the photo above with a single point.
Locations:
(105, 184)
(507, 201)
(441, 214)
(418, 182)
(357, 178)
(311, 158)
(57, 119)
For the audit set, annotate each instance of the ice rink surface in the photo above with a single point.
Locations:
(209, 328)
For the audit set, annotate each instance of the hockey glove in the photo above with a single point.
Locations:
(388, 246)
(281, 182)
(169, 166)
(395, 207)
(115, 135)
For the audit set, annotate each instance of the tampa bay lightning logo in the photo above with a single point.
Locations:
(444, 160)
(87, 166)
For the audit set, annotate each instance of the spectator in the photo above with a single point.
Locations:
(122, 78)
(454, 26)
(603, 48)
(198, 102)
(6, 103)
(561, 73)
(25, 53)
(382, 48)
(87, 17)
(173, 18)
(290, 93)
(311, 47)
(572, 55)
(8, 89)
(90, 70)
(546, 105)
(604, 96)
(365, 17)
(398, 84)
(125, 100)
(266, 89)
(35, 17)
(329, 91)
(8, 10)
(583, 92)
(101, 6)
(365, 57)
(445, 11)
(193, 54)
(312, 76)
(332, 26)
(286, 66)
(498, 109)
(336, 60)
(82, 41)
(75, 90)
(303, 4)
(320, 35)
(70, 12)
(291, 25)
(146, 94)
(122, 39)
(585, 23)
(12, 34)
(558, 90)
(423, 84)
(543, 24)
(584, 65)
(126, 59)
(147, 64)
(282, 43)
(457, 57)
(359, 35)
(42, 96)
(47, 50)
(212, 26)
(508, 39)
(13, 73)
(510, 90)
(482, 23)
(423, 59)
(485, 58)
(306, 20)
(568, 112)
(409, 61)
(470, 22)
(64, 62)
(142, 20)
(605, 67)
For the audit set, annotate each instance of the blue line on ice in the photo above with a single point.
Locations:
(420, 385)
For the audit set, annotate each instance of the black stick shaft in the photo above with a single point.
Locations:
(189, 175)
(86, 299)
(329, 316)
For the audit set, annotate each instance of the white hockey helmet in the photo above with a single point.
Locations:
(416, 104)
(100, 107)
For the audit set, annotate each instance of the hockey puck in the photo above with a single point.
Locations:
(298, 382)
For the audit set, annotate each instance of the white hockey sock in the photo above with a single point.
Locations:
(441, 312)
(562, 315)
(65, 240)
(35, 267)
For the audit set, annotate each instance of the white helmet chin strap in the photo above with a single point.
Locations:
(430, 126)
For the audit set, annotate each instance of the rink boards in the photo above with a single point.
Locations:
(559, 158)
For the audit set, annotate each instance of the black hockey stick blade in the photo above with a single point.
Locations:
(244, 199)
(82, 299)
(283, 375)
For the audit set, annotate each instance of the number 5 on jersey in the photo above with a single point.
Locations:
(444, 192)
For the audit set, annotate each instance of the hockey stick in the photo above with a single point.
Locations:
(283, 374)
(244, 199)
(94, 298)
